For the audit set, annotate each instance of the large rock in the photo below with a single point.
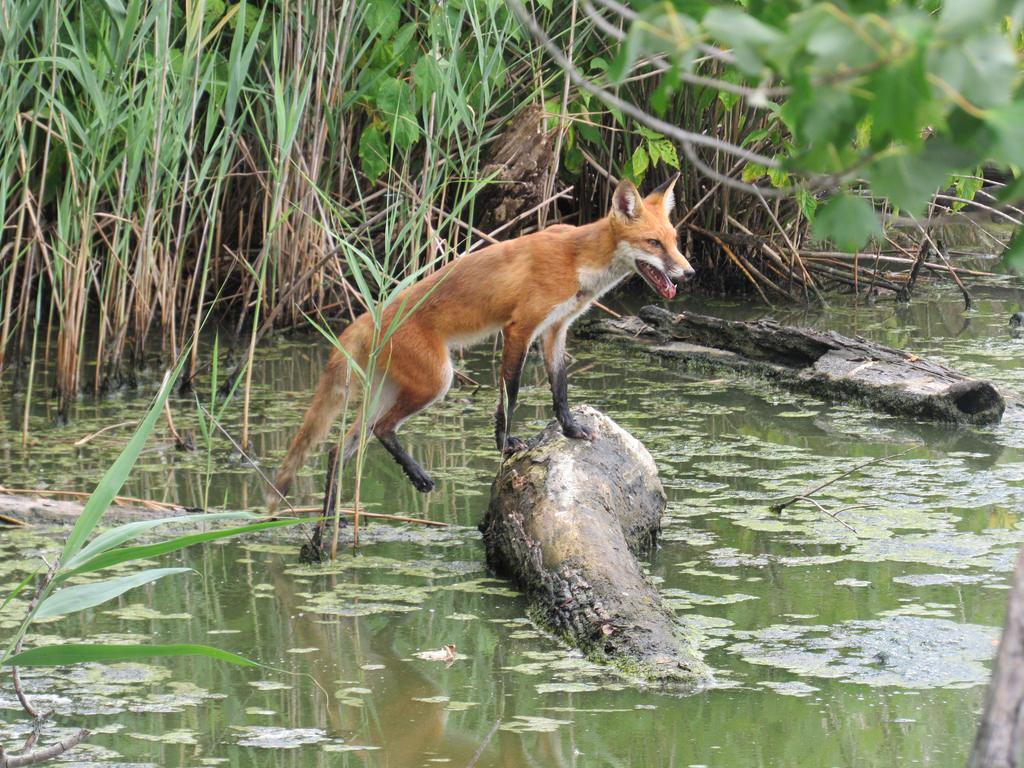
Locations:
(567, 521)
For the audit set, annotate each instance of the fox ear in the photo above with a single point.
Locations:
(626, 200)
(666, 192)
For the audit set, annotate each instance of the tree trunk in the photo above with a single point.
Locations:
(997, 744)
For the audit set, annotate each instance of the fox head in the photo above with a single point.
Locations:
(646, 239)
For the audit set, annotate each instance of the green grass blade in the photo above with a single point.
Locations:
(122, 533)
(79, 653)
(115, 477)
(17, 590)
(124, 554)
(82, 596)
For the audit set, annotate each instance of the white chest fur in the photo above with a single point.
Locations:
(600, 281)
(593, 284)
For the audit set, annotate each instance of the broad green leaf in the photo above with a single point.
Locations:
(981, 71)
(728, 99)
(373, 153)
(839, 44)
(394, 99)
(847, 221)
(81, 596)
(125, 554)
(753, 172)
(629, 50)
(899, 106)
(382, 17)
(1013, 256)
(961, 16)
(967, 187)
(808, 203)
(80, 653)
(779, 177)
(640, 162)
(1007, 125)
(403, 38)
(427, 76)
(114, 478)
(747, 36)
(906, 179)
(667, 153)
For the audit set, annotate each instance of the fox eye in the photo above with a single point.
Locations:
(654, 243)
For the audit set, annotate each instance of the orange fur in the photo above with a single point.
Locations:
(532, 286)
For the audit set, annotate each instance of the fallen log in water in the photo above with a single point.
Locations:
(823, 363)
(567, 520)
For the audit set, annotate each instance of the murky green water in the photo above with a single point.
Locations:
(865, 645)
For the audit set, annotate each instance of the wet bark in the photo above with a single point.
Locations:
(998, 742)
(567, 521)
(519, 169)
(823, 363)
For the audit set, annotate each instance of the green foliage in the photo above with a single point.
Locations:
(1014, 256)
(653, 150)
(84, 553)
(847, 221)
(890, 93)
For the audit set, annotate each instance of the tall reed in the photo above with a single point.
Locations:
(170, 160)
(167, 161)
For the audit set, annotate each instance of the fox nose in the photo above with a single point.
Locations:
(688, 272)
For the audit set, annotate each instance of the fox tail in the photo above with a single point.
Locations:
(330, 398)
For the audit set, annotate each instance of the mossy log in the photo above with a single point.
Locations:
(823, 363)
(567, 521)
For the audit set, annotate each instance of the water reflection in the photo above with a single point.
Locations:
(783, 602)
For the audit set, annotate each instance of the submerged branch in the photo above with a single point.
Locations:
(778, 506)
(45, 754)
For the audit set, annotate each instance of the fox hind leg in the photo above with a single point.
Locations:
(413, 394)
(515, 344)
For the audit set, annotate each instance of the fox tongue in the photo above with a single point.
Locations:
(657, 279)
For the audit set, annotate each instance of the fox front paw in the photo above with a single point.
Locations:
(421, 481)
(576, 431)
(513, 445)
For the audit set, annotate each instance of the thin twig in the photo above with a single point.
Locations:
(952, 272)
(652, 122)
(777, 507)
(833, 514)
(483, 744)
(607, 310)
(377, 515)
(243, 454)
(88, 438)
(15, 677)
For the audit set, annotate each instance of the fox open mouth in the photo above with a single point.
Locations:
(657, 279)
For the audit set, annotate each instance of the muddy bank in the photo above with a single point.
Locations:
(567, 521)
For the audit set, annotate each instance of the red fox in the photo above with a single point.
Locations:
(532, 287)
